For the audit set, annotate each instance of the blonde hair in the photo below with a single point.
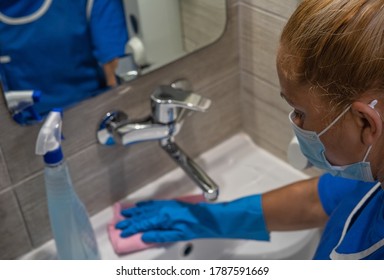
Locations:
(335, 45)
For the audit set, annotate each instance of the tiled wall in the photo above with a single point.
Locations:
(237, 73)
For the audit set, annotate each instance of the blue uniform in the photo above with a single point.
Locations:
(58, 46)
(355, 229)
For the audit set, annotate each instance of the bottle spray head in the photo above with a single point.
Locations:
(48, 142)
(19, 100)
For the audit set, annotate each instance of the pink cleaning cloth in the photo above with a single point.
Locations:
(134, 243)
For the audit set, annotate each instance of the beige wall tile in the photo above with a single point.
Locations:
(4, 176)
(259, 37)
(33, 204)
(232, 2)
(278, 7)
(265, 115)
(14, 240)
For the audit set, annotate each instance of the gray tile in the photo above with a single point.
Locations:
(265, 115)
(263, 91)
(14, 240)
(259, 39)
(232, 2)
(205, 130)
(4, 176)
(33, 202)
(282, 8)
(115, 172)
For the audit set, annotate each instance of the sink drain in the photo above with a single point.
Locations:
(187, 250)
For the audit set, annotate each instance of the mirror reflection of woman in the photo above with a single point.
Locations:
(66, 49)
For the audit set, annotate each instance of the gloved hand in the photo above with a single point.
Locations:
(170, 220)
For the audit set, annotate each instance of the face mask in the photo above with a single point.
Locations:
(312, 147)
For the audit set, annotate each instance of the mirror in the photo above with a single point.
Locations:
(38, 62)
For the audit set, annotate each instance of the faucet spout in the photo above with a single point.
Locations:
(194, 171)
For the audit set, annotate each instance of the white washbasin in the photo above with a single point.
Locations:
(240, 168)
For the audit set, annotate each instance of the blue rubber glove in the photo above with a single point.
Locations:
(170, 220)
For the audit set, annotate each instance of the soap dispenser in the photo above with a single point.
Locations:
(71, 227)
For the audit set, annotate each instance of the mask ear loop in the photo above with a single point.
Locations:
(334, 121)
(367, 153)
(372, 105)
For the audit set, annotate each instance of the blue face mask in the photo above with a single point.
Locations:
(312, 147)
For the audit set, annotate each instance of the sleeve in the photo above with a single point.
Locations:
(332, 190)
(108, 29)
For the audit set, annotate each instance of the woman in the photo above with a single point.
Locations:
(68, 50)
(330, 65)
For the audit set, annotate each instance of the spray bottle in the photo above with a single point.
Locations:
(71, 227)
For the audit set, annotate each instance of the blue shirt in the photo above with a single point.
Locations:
(364, 229)
(60, 52)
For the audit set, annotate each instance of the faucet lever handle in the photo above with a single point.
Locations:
(169, 104)
(167, 96)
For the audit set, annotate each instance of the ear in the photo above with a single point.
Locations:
(368, 119)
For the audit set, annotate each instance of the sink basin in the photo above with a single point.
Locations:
(240, 168)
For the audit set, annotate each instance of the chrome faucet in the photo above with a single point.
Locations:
(169, 106)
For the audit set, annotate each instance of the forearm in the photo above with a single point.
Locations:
(109, 72)
(293, 207)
